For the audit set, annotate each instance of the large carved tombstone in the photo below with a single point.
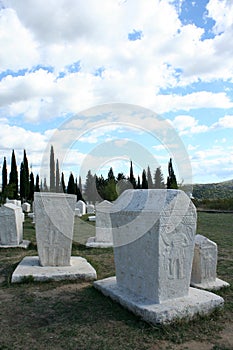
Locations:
(54, 217)
(103, 222)
(11, 225)
(153, 236)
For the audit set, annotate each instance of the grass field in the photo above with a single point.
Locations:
(73, 315)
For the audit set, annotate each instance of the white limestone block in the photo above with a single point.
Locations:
(103, 237)
(54, 221)
(26, 207)
(77, 212)
(90, 209)
(81, 206)
(204, 266)
(153, 236)
(11, 225)
(13, 201)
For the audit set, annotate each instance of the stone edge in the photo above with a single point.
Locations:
(24, 244)
(197, 302)
(214, 285)
(92, 243)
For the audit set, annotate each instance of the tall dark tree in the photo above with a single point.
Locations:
(77, 191)
(158, 179)
(90, 187)
(138, 183)
(45, 186)
(31, 187)
(144, 180)
(131, 175)
(4, 175)
(26, 170)
(63, 186)
(52, 170)
(80, 184)
(149, 178)
(171, 179)
(13, 179)
(22, 180)
(37, 187)
(57, 177)
(71, 185)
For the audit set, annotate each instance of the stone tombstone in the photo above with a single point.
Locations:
(81, 206)
(26, 207)
(11, 225)
(90, 209)
(13, 201)
(54, 221)
(153, 236)
(77, 212)
(103, 222)
(205, 264)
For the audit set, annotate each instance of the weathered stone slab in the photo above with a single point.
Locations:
(54, 221)
(82, 207)
(26, 207)
(195, 302)
(103, 237)
(11, 225)
(204, 266)
(90, 209)
(30, 267)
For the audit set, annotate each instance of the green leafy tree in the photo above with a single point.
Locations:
(158, 179)
(22, 180)
(171, 179)
(52, 170)
(13, 179)
(90, 187)
(26, 170)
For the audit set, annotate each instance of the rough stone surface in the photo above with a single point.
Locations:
(82, 207)
(90, 209)
(24, 244)
(26, 207)
(195, 302)
(11, 225)
(30, 267)
(153, 235)
(103, 237)
(77, 212)
(13, 201)
(205, 264)
(54, 221)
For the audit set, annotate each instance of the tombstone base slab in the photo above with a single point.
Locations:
(92, 243)
(24, 244)
(197, 302)
(214, 285)
(30, 266)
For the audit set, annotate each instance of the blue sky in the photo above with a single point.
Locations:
(171, 57)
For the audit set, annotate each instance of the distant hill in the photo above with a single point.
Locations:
(221, 190)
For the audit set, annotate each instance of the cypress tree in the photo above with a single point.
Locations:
(22, 182)
(26, 175)
(37, 187)
(171, 179)
(80, 184)
(57, 177)
(71, 185)
(52, 170)
(149, 178)
(63, 186)
(31, 187)
(158, 179)
(4, 175)
(144, 180)
(13, 179)
(139, 183)
(131, 175)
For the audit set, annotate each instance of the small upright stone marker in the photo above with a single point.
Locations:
(26, 207)
(153, 236)
(103, 237)
(90, 209)
(82, 207)
(204, 267)
(11, 227)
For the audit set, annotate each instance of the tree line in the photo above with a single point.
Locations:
(96, 188)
